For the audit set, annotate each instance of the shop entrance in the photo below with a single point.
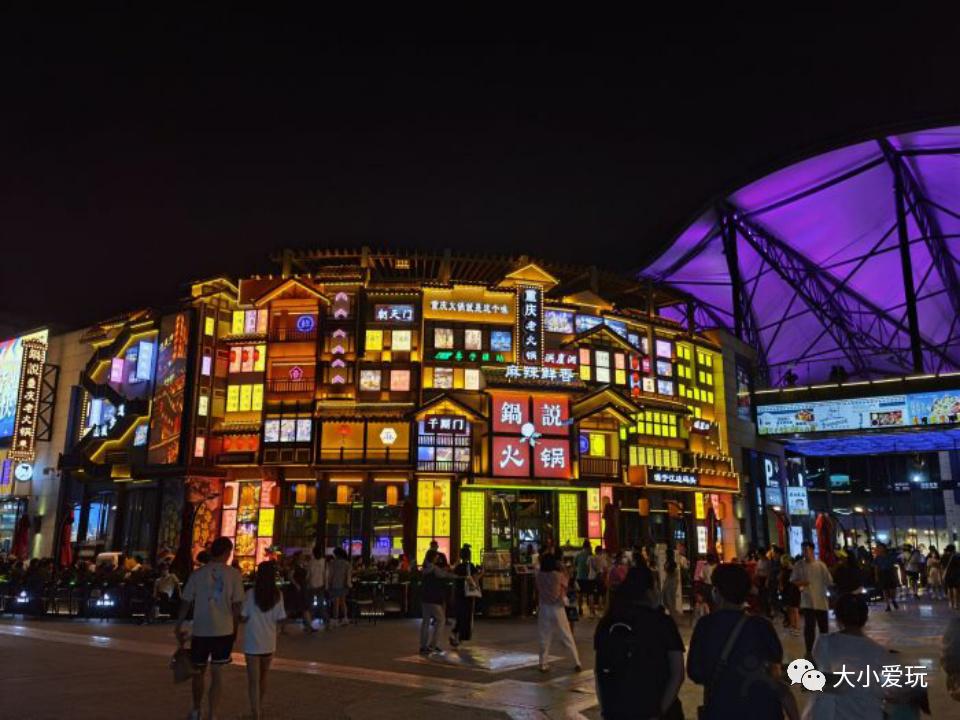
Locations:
(519, 518)
(10, 512)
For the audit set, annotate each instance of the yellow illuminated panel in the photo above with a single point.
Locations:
(569, 520)
(209, 325)
(425, 521)
(598, 444)
(473, 523)
(256, 400)
(374, 339)
(400, 340)
(233, 398)
(425, 494)
(443, 486)
(260, 361)
(236, 328)
(246, 397)
(620, 377)
(593, 499)
(584, 372)
(441, 522)
(265, 524)
(699, 512)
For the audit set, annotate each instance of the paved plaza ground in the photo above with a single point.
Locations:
(93, 669)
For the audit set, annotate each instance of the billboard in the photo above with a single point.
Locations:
(168, 396)
(11, 357)
(941, 407)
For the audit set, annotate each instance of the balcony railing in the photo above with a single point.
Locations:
(599, 466)
(351, 456)
(291, 386)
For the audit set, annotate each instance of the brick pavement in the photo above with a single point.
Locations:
(79, 669)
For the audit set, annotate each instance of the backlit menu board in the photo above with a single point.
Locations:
(888, 411)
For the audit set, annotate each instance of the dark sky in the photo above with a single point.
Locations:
(137, 153)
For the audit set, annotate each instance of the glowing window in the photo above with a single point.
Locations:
(602, 358)
(203, 405)
(200, 445)
(471, 379)
(443, 378)
(584, 356)
(603, 374)
(400, 340)
(664, 348)
(374, 339)
(399, 380)
(619, 361)
(233, 398)
(443, 338)
(205, 365)
(370, 380)
(271, 431)
(472, 339)
(209, 325)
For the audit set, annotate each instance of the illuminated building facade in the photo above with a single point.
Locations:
(379, 401)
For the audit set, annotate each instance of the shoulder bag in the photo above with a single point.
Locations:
(471, 588)
(721, 664)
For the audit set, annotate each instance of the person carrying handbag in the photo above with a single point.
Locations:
(737, 657)
(466, 592)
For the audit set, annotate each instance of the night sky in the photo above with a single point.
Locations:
(138, 153)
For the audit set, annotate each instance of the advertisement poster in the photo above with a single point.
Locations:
(797, 503)
(888, 411)
(168, 396)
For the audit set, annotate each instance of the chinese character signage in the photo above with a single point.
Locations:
(530, 325)
(562, 376)
(468, 303)
(168, 396)
(797, 501)
(25, 418)
(453, 424)
(670, 477)
(531, 436)
(393, 313)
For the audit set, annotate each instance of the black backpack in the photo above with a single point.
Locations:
(628, 666)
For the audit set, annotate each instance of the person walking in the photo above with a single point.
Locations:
(671, 591)
(773, 581)
(315, 584)
(813, 578)
(466, 592)
(886, 570)
(215, 592)
(934, 574)
(262, 612)
(951, 575)
(433, 602)
(914, 568)
(552, 585)
(639, 654)
(585, 573)
(738, 658)
(847, 576)
(339, 582)
(847, 648)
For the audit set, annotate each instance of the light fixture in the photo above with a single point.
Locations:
(858, 508)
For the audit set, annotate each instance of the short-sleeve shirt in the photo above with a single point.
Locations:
(813, 595)
(213, 589)
(260, 630)
(317, 573)
(744, 688)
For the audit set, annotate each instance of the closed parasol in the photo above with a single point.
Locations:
(65, 555)
(611, 531)
(20, 538)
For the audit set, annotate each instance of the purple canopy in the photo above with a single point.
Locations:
(817, 255)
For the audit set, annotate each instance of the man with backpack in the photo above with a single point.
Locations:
(639, 654)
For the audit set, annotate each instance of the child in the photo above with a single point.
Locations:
(262, 611)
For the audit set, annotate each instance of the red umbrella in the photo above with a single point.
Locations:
(65, 557)
(20, 537)
(825, 538)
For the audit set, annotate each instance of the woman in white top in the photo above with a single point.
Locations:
(262, 611)
(850, 651)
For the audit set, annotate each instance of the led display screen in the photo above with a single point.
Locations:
(888, 411)
(558, 321)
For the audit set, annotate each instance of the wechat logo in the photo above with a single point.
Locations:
(803, 672)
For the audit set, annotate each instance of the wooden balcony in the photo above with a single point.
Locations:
(599, 467)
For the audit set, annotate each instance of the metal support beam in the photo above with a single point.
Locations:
(906, 265)
(858, 326)
(936, 241)
(733, 268)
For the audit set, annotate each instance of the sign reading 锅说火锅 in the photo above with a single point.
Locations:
(24, 443)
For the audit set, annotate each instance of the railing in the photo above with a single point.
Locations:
(599, 466)
(351, 456)
(443, 465)
(291, 386)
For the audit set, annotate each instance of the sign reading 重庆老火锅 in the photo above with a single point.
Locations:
(530, 324)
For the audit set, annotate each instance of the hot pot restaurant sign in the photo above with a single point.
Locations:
(530, 325)
(531, 436)
(25, 420)
(681, 479)
(469, 302)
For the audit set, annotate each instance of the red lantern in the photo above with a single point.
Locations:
(643, 506)
(228, 499)
(344, 430)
